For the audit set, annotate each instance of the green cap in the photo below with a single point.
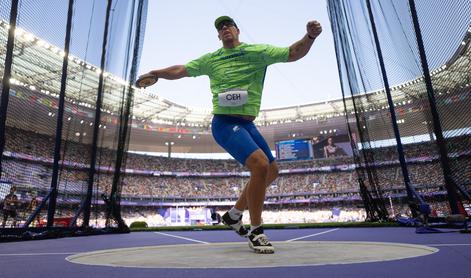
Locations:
(223, 18)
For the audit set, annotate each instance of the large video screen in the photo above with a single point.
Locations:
(299, 149)
(331, 146)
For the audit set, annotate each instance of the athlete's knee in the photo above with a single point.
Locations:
(273, 171)
(258, 162)
(261, 165)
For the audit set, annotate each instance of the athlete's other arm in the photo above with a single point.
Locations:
(300, 48)
(170, 73)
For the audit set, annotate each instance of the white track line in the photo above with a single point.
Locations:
(181, 237)
(36, 254)
(450, 244)
(324, 232)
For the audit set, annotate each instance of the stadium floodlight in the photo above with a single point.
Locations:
(29, 37)
(55, 49)
(42, 43)
(18, 31)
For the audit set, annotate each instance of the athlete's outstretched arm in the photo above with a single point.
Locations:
(300, 48)
(170, 73)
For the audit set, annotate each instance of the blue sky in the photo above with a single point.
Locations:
(179, 31)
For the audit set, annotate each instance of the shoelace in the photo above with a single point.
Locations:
(262, 239)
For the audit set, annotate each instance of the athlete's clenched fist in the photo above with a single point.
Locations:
(313, 28)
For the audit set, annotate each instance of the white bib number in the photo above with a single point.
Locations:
(233, 98)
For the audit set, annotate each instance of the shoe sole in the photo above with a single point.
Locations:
(264, 251)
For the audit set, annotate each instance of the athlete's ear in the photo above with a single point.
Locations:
(219, 36)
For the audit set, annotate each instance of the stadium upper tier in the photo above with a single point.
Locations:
(37, 68)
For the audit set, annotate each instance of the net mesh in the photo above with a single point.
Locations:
(33, 107)
(446, 44)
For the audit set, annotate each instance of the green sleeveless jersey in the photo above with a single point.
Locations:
(237, 75)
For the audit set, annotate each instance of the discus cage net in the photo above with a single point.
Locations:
(66, 108)
(405, 74)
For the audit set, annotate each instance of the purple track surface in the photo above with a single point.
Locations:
(46, 258)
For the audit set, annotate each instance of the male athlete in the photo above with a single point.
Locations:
(237, 72)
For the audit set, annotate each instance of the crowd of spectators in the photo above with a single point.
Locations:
(39, 145)
(72, 181)
(300, 214)
(33, 178)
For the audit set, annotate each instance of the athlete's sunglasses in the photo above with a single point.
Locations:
(226, 23)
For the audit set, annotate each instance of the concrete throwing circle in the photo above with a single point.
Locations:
(238, 255)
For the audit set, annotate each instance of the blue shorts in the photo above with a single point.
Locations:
(239, 137)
